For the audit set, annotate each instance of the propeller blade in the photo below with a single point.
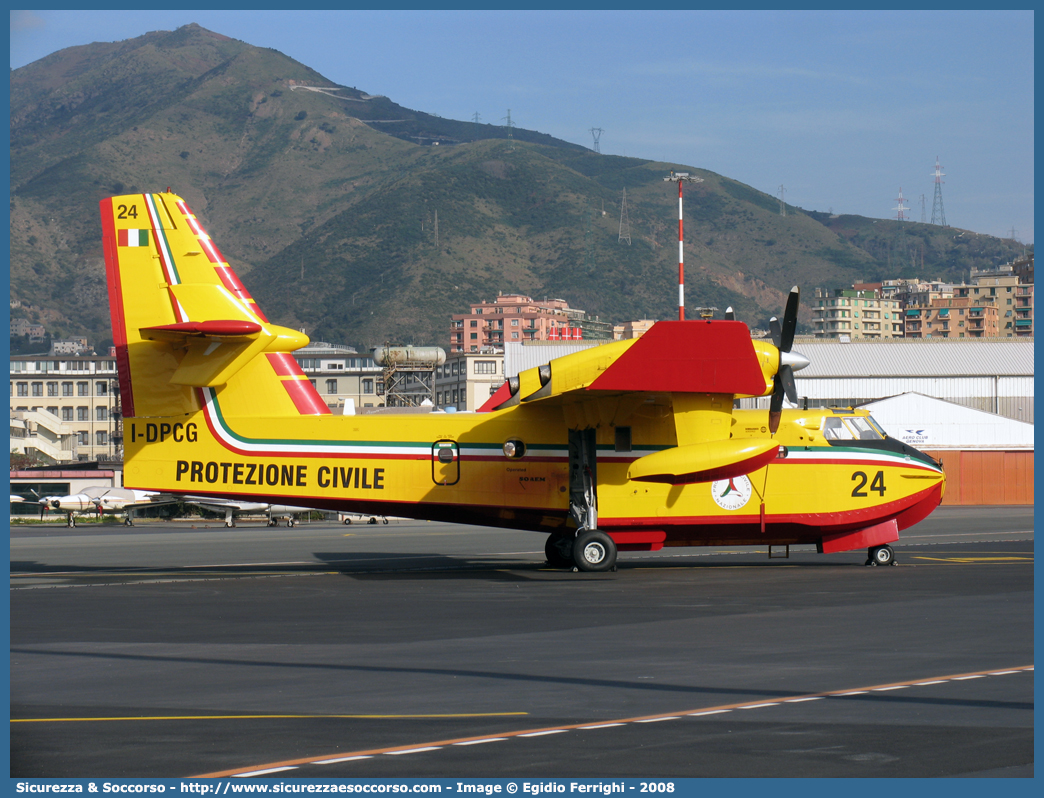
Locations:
(776, 404)
(786, 377)
(790, 319)
(777, 332)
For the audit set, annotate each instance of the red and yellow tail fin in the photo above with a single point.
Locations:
(182, 321)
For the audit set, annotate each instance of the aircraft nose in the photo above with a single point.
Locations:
(795, 360)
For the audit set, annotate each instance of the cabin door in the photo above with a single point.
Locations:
(445, 462)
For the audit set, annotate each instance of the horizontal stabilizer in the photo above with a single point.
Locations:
(182, 331)
(704, 462)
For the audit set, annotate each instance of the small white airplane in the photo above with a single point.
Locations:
(102, 500)
(43, 502)
(231, 508)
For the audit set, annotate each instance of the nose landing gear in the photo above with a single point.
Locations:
(880, 555)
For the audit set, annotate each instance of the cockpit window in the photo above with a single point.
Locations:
(864, 429)
(876, 426)
(834, 429)
(851, 428)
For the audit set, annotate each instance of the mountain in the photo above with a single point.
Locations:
(364, 222)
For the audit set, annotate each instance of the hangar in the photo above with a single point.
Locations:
(988, 458)
(991, 375)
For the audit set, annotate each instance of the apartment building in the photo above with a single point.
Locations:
(855, 313)
(1005, 289)
(517, 317)
(953, 317)
(81, 391)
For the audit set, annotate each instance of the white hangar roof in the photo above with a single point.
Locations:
(929, 423)
(917, 358)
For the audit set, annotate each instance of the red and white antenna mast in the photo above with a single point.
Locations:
(680, 178)
(900, 208)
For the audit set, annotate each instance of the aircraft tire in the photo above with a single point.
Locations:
(558, 550)
(289, 522)
(372, 520)
(347, 521)
(882, 555)
(594, 551)
(385, 520)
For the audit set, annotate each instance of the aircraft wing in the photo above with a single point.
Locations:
(219, 505)
(672, 357)
(695, 368)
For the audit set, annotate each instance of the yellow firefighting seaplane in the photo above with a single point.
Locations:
(630, 446)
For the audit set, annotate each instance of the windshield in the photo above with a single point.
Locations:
(864, 430)
(851, 428)
(834, 429)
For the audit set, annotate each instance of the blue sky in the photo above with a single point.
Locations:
(843, 109)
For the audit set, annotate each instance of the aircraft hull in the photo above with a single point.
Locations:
(389, 465)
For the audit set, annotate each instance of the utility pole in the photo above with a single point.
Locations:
(680, 178)
(476, 118)
(938, 214)
(509, 126)
(596, 132)
(625, 221)
(900, 208)
(782, 200)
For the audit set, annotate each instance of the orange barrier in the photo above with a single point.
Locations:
(987, 477)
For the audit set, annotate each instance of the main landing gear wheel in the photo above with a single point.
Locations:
(230, 524)
(347, 521)
(290, 522)
(594, 551)
(881, 555)
(559, 551)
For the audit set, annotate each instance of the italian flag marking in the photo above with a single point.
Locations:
(132, 238)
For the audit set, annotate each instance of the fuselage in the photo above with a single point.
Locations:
(835, 471)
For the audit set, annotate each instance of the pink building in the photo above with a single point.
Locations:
(511, 317)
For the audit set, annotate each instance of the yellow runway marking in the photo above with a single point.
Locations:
(974, 559)
(437, 744)
(273, 717)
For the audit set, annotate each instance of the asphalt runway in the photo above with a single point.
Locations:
(421, 650)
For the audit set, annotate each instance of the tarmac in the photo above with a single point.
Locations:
(424, 649)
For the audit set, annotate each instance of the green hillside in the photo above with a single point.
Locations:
(325, 200)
